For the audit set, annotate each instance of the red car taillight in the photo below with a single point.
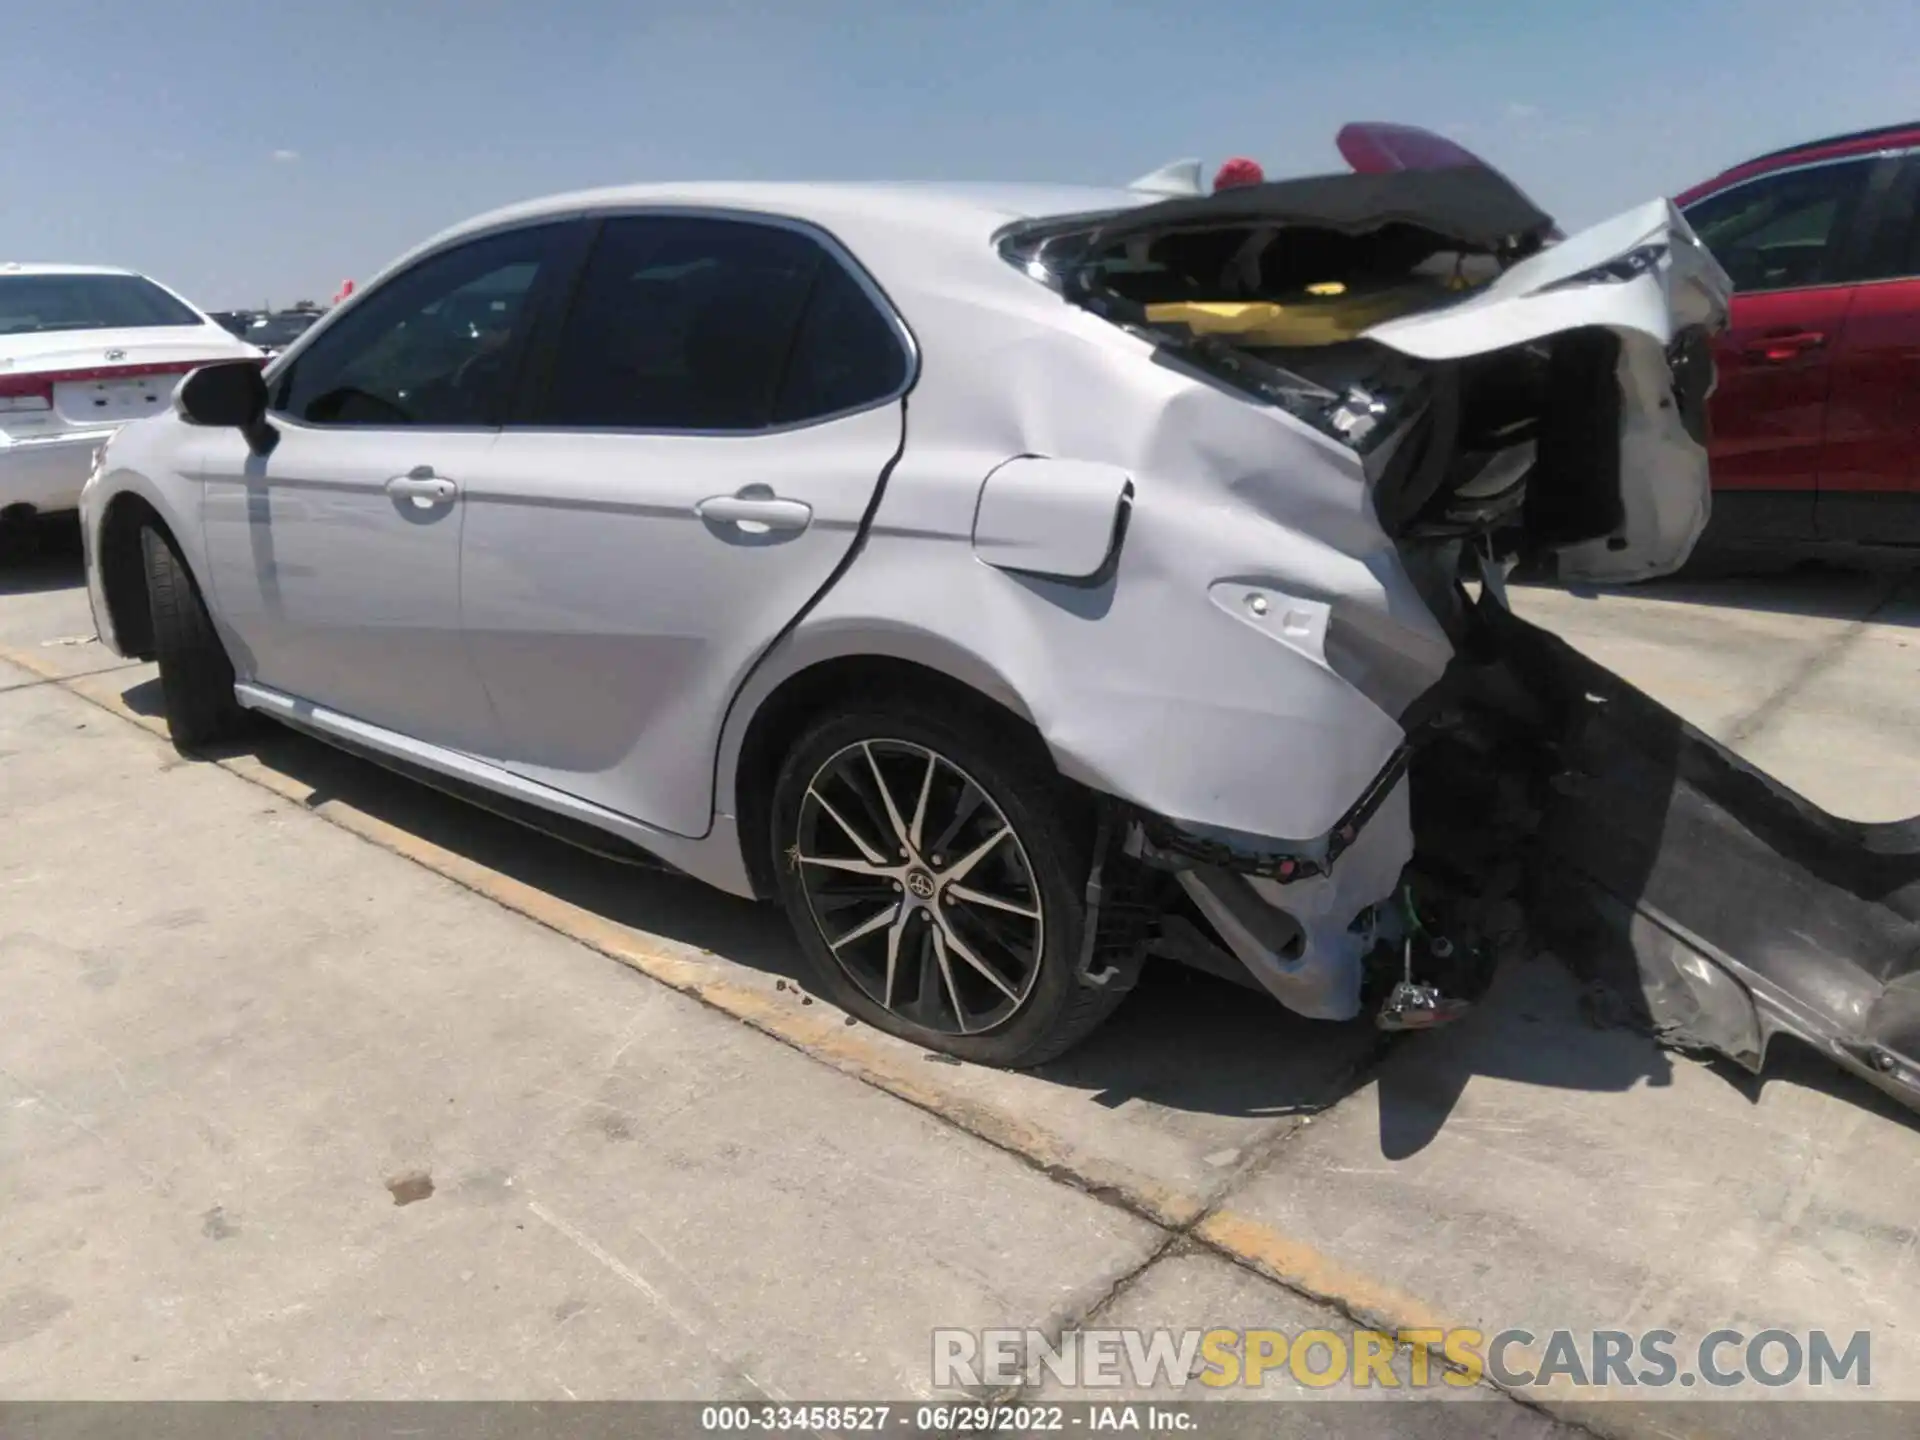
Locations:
(34, 390)
(25, 392)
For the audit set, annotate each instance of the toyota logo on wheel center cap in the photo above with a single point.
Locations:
(920, 883)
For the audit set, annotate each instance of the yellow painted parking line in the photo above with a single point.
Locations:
(1384, 1307)
(1302, 1268)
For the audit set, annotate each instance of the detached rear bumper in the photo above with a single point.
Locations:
(1725, 908)
(1719, 907)
(45, 473)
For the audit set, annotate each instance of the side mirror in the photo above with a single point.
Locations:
(229, 395)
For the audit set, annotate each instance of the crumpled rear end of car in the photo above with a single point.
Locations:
(1509, 395)
(1417, 343)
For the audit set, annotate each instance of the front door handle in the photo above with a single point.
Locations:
(422, 486)
(1783, 345)
(755, 509)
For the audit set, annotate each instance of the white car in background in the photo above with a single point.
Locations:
(83, 350)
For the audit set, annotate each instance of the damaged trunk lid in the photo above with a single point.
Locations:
(1530, 396)
(1513, 394)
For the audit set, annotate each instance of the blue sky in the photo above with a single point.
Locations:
(246, 152)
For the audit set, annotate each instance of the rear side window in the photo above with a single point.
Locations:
(680, 323)
(1785, 230)
(847, 355)
(30, 304)
(696, 323)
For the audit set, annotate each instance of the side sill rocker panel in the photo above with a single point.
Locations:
(715, 859)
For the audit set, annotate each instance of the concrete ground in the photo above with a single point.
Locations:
(315, 1084)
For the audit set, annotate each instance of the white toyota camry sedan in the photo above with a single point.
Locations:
(83, 350)
(1008, 581)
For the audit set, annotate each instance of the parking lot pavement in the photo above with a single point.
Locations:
(43, 609)
(287, 1115)
(1812, 676)
(1523, 1169)
(1129, 1114)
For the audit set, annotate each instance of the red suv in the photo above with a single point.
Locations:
(1816, 419)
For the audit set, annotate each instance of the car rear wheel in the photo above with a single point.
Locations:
(934, 872)
(196, 677)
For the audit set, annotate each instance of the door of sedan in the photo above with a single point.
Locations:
(700, 440)
(1789, 240)
(335, 559)
(1870, 475)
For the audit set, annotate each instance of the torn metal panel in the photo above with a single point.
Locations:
(1176, 177)
(1306, 940)
(1469, 206)
(1723, 906)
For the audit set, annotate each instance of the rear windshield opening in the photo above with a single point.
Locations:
(1277, 312)
(30, 304)
(1294, 265)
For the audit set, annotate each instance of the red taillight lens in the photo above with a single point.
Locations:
(23, 393)
(33, 390)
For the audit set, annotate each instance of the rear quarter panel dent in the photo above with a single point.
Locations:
(1143, 688)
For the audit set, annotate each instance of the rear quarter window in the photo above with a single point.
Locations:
(847, 354)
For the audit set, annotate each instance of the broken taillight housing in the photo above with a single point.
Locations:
(1690, 358)
(1631, 265)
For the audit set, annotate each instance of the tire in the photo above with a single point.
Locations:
(828, 782)
(196, 677)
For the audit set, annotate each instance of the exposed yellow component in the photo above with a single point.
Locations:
(1327, 314)
(1216, 317)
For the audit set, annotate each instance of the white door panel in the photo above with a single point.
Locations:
(612, 621)
(342, 588)
(335, 559)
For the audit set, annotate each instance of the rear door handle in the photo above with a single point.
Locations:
(422, 486)
(1784, 345)
(755, 511)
